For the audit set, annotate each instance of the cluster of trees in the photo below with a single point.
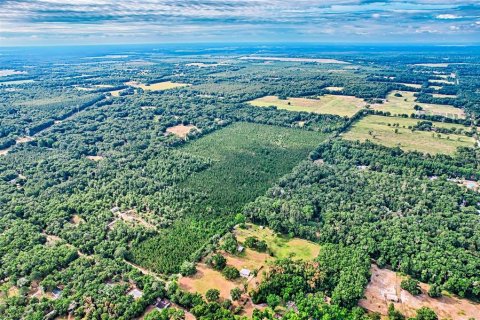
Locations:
(418, 226)
(339, 272)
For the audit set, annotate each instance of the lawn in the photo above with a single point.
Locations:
(281, 246)
(345, 106)
(406, 102)
(246, 160)
(165, 85)
(376, 129)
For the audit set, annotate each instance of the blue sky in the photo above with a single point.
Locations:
(51, 22)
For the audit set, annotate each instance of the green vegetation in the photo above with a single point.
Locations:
(344, 106)
(393, 132)
(245, 160)
(100, 205)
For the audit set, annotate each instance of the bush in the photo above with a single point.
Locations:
(255, 244)
(188, 268)
(230, 244)
(217, 261)
(425, 313)
(236, 294)
(230, 273)
(435, 291)
(411, 285)
(212, 295)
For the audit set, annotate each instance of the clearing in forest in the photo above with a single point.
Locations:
(280, 246)
(159, 86)
(180, 130)
(246, 160)
(345, 106)
(381, 130)
(335, 89)
(384, 288)
(404, 102)
(411, 85)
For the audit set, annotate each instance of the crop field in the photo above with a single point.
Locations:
(247, 159)
(405, 104)
(345, 106)
(377, 129)
(159, 86)
(280, 246)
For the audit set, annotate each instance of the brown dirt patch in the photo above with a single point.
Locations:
(386, 283)
(207, 278)
(95, 158)
(76, 219)
(180, 130)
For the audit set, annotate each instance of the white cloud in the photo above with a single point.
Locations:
(448, 16)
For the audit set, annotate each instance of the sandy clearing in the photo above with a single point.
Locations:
(385, 283)
(94, 158)
(180, 130)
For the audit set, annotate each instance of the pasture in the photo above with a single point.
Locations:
(411, 85)
(377, 129)
(405, 103)
(246, 160)
(345, 106)
(159, 86)
(280, 246)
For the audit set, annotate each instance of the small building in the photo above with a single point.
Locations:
(162, 304)
(135, 293)
(392, 297)
(114, 209)
(245, 273)
(56, 293)
(240, 248)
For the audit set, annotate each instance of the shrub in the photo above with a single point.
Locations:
(230, 273)
(411, 285)
(212, 295)
(435, 291)
(188, 268)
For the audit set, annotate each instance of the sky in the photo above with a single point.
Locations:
(70, 22)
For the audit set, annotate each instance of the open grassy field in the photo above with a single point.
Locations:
(406, 102)
(345, 106)
(247, 159)
(165, 85)
(282, 247)
(376, 129)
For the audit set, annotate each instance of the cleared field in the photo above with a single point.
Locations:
(206, 278)
(10, 72)
(436, 87)
(376, 129)
(336, 89)
(180, 130)
(440, 81)
(432, 65)
(345, 106)
(405, 104)
(411, 85)
(165, 85)
(384, 287)
(281, 246)
(246, 159)
(438, 95)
